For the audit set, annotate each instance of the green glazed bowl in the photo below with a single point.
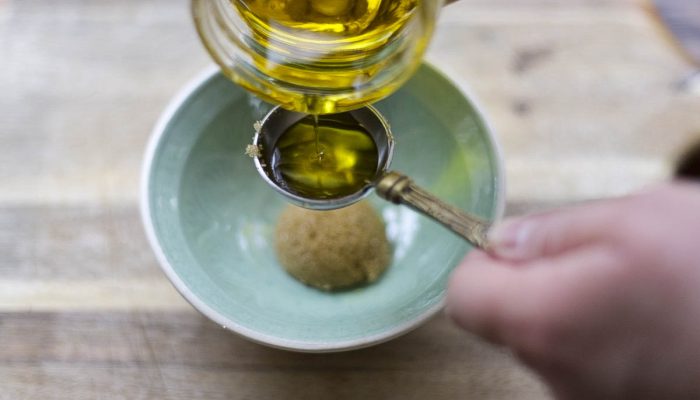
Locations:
(210, 217)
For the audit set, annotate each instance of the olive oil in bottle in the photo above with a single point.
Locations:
(325, 157)
(329, 19)
(334, 46)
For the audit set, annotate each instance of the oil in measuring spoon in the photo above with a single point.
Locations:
(330, 157)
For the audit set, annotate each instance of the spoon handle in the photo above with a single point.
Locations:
(400, 189)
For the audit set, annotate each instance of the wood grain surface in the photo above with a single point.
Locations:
(585, 95)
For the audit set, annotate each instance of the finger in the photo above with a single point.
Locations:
(504, 304)
(479, 289)
(548, 234)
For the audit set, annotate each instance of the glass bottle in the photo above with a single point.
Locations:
(317, 56)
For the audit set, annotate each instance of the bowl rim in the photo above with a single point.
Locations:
(198, 81)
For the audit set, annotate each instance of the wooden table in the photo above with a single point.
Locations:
(585, 96)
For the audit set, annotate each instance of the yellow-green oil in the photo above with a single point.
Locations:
(337, 45)
(361, 22)
(325, 157)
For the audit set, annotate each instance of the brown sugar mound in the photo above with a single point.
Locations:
(332, 249)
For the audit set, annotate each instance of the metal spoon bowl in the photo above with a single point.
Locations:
(278, 120)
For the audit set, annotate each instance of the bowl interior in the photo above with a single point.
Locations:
(213, 216)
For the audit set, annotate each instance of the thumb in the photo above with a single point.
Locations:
(549, 234)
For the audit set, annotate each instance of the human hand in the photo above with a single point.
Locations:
(602, 300)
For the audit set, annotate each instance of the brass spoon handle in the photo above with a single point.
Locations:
(400, 189)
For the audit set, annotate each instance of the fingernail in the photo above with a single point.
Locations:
(508, 239)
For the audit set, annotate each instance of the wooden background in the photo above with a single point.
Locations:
(588, 98)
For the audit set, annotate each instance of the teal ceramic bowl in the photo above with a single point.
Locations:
(210, 217)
